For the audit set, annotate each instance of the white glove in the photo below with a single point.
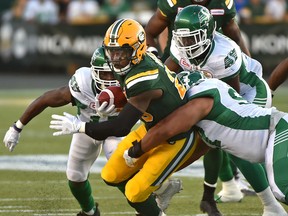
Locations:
(67, 124)
(104, 110)
(129, 160)
(11, 138)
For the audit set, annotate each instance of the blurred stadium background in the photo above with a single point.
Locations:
(37, 54)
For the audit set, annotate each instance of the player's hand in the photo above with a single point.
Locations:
(129, 160)
(11, 138)
(66, 124)
(104, 110)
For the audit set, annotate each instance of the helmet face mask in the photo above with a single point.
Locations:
(193, 31)
(101, 72)
(125, 45)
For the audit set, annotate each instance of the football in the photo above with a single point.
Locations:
(113, 95)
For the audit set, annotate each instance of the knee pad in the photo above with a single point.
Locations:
(75, 176)
(138, 190)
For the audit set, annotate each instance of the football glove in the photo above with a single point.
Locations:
(104, 110)
(66, 124)
(129, 160)
(11, 137)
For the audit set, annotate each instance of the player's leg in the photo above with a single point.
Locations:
(230, 191)
(83, 152)
(277, 160)
(256, 176)
(116, 173)
(212, 162)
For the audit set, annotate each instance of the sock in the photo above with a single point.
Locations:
(229, 185)
(253, 172)
(226, 172)
(267, 198)
(147, 207)
(83, 194)
(208, 193)
(212, 162)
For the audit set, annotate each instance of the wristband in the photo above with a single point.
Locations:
(18, 126)
(135, 151)
(153, 50)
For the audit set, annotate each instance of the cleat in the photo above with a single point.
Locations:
(210, 208)
(96, 213)
(275, 210)
(229, 193)
(163, 198)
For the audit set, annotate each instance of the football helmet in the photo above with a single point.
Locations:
(193, 32)
(189, 79)
(125, 45)
(101, 72)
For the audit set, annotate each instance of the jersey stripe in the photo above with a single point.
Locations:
(171, 2)
(144, 76)
(229, 4)
(115, 30)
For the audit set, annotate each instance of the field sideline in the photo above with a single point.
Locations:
(36, 193)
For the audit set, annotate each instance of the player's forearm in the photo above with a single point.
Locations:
(118, 127)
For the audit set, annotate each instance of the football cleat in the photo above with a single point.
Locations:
(163, 198)
(230, 193)
(210, 208)
(96, 213)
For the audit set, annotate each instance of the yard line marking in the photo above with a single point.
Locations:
(57, 163)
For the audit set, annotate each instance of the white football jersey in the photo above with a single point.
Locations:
(234, 125)
(225, 60)
(83, 89)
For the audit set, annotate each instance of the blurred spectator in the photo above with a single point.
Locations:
(253, 12)
(114, 8)
(41, 11)
(16, 11)
(82, 11)
(276, 10)
(239, 4)
(62, 5)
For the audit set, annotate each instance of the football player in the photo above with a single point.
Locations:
(224, 13)
(258, 134)
(152, 92)
(278, 75)
(81, 91)
(196, 44)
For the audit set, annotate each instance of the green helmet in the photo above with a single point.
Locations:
(189, 79)
(193, 32)
(101, 72)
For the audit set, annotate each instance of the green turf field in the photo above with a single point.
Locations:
(47, 193)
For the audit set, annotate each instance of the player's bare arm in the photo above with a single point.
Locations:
(179, 121)
(232, 30)
(278, 75)
(155, 26)
(172, 65)
(53, 98)
(234, 83)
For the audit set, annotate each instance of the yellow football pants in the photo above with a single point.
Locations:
(151, 169)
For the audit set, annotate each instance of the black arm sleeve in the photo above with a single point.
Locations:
(120, 126)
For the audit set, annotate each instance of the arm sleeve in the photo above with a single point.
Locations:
(120, 126)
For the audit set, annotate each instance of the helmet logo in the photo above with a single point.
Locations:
(203, 16)
(141, 37)
(96, 55)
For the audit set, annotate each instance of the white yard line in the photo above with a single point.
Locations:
(57, 163)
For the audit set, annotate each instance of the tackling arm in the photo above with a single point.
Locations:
(179, 121)
(157, 23)
(232, 31)
(278, 75)
(53, 98)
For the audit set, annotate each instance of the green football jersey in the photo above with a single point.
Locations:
(152, 74)
(223, 12)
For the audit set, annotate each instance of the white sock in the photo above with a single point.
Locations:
(91, 212)
(267, 198)
(227, 185)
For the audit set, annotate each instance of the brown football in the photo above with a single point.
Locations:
(113, 95)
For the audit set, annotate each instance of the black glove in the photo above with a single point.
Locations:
(135, 151)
